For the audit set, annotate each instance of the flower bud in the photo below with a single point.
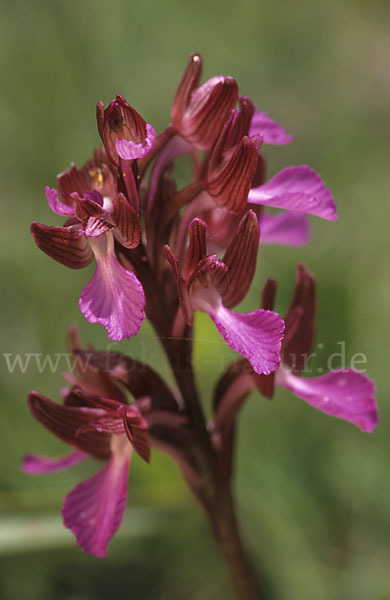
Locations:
(124, 132)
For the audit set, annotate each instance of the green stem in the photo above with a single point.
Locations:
(228, 537)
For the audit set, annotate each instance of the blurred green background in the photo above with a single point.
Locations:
(313, 492)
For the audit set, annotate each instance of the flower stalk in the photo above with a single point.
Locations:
(227, 533)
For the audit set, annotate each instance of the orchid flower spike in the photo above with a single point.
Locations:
(166, 251)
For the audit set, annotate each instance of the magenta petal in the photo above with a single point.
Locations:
(39, 465)
(129, 150)
(56, 205)
(285, 228)
(256, 335)
(94, 508)
(346, 394)
(270, 131)
(114, 298)
(298, 189)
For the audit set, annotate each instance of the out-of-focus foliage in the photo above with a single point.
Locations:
(313, 492)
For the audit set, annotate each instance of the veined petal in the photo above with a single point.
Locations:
(208, 272)
(56, 205)
(90, 205)
(94, 508)
(136, 430)
(270, 131)
(65, 421)
(300, 321)
(236, 127)
(298, 189)
(207, 111)
(256, 335)
(129, 150)
(39, 465)
(346, 394)
(285, 228)
(197, 248)
(128, 227)
(96, 226)
(229, 185)
(114, 297)
(187, 85)
(240, 258)
(67, 245)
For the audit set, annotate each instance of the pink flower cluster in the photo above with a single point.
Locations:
(166, 253)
